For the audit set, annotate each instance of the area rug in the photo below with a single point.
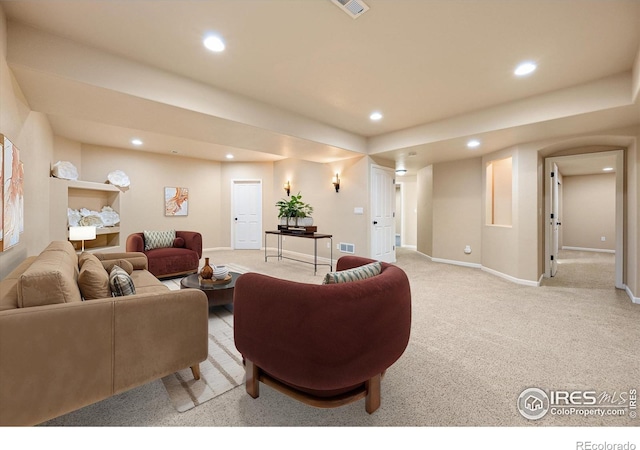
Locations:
(219, 373)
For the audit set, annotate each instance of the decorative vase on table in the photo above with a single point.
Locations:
(207, 271)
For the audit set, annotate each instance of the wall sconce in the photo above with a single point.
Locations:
(287, 188)
(82, 234)
(336, 182)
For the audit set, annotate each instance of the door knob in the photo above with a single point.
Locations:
(375, 222)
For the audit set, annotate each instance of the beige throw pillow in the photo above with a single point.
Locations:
(93, 280)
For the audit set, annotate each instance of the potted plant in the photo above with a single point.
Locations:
(294, 212)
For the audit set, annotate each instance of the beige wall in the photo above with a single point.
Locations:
(457, 215)
(142, 203)
(513, 250)
(333, 211)
(31, 134)
(424, 201)
(589, 211)
(406, 210)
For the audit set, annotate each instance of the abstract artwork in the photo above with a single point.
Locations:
(176, 201)
(12, 181)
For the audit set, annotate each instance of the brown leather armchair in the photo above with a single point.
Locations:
(180, 259)
(324, 345)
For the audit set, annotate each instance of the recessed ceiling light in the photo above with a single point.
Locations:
(214, 43)
(229, 156)
(375, 115)
(525, 68)
(473, 143)
(136, 141)
(608, 169)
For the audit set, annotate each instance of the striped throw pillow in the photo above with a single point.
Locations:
(355, 274)
(120, 282)
(158, 239)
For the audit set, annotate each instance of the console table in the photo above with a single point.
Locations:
(314, 236)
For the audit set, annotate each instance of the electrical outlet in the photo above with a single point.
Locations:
(603, 238)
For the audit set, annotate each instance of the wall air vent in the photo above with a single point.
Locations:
(347, 248)
(354, 8)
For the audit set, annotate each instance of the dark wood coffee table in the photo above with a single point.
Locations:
(217, 294)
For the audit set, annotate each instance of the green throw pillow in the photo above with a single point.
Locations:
(355, 274)
(120, 282)
(158, 239)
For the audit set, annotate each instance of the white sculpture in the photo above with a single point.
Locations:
(65, 170)
(118, 178)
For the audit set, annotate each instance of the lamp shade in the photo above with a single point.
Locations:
(82, 233)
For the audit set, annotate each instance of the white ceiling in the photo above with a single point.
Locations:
(300, 78)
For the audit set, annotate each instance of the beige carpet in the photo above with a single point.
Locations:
(477, 342)
(220, 372)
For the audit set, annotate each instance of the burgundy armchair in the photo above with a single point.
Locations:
(324, 345)
(180, 259)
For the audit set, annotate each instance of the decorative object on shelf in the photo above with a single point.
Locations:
(82, 233)
(336, 182)
(65, 170)
(11, 194)
(207, 271)
(91, 221)
(176, 201)
(118, 178)
(109, 216)
(220, 272)
(287, 188)
(291, 211)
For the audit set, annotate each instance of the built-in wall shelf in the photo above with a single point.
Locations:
(76, 194)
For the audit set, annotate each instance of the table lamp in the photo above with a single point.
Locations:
(82, 234)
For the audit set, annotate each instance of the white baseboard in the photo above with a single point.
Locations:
(512, 279)
(485, 269)
(583, 249)
(634, 299)
(457, 263)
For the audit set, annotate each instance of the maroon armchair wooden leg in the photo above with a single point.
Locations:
(372, 400)
(252, 382)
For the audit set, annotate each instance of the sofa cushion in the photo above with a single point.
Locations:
(93, 280)
(52, 278)
(355, 274)
(158, 239)
(108, 264)
(179, 242)
(120, 282)
(67, 249)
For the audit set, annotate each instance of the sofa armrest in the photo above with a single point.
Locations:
(138, 260)
(57, 358)
(192, 241)
(158, 334)
(135, 242)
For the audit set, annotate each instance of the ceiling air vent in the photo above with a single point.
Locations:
(354, 8)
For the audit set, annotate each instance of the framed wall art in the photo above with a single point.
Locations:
(176, 201)
(12, 182)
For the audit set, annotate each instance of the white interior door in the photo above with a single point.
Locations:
(247, 215)
(383, 196)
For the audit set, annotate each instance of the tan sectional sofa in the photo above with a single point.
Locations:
(60, 351)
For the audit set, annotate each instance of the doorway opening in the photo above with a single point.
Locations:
(594, 246)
